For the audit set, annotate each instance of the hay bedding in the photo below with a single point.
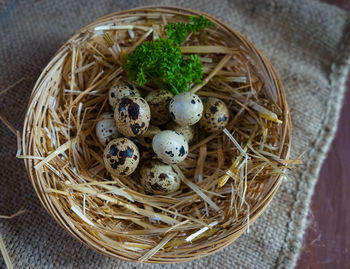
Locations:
(228, 177)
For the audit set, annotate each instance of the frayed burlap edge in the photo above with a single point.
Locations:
(315, 157)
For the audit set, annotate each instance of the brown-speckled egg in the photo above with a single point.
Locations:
(159, 178)
(132, 116)
(170, 146)
(106, 130)
(215, 115)
(120, 90)
(146, 139)
(186, 108)
(187, 131)
(159, 101)
(121, 157)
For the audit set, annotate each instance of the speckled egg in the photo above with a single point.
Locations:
(159, 101)
(215, 115)
(187, 131)
(120, 90)
(132, 116)
(121, 157)
(170, 146)
(186, 108)
(146, 139)
(106, 130)
(159, 178)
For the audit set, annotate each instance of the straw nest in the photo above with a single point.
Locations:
(228, 178)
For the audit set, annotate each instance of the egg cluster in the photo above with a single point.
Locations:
(160, 121)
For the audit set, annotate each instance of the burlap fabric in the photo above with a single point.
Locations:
(308, 43)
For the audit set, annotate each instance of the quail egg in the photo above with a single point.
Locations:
(187, 131)
(106, 130)
(159, 178)
(146, 139)
(132, 115)
(215, 115)
(158, 101)
(120, 90)
(121, 157)
(170, 146)
(186, 108)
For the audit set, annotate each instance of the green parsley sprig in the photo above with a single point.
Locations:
(177, 32)
(161, 60)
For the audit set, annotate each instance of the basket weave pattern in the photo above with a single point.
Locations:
(59, 169)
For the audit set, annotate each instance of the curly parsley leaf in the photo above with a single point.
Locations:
(161, 60)
(177, 32)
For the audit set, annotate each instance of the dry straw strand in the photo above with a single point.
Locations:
(5, 254)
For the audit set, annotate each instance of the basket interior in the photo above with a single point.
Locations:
(222, 191)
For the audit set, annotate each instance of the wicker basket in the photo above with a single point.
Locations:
(58, 134)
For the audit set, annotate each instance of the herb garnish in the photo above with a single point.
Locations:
(177, 32)
(161, 60)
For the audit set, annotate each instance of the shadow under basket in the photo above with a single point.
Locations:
(228, 178)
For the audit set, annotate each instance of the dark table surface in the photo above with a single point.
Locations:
(327, 240)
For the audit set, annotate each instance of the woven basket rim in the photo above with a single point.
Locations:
(58, 214)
